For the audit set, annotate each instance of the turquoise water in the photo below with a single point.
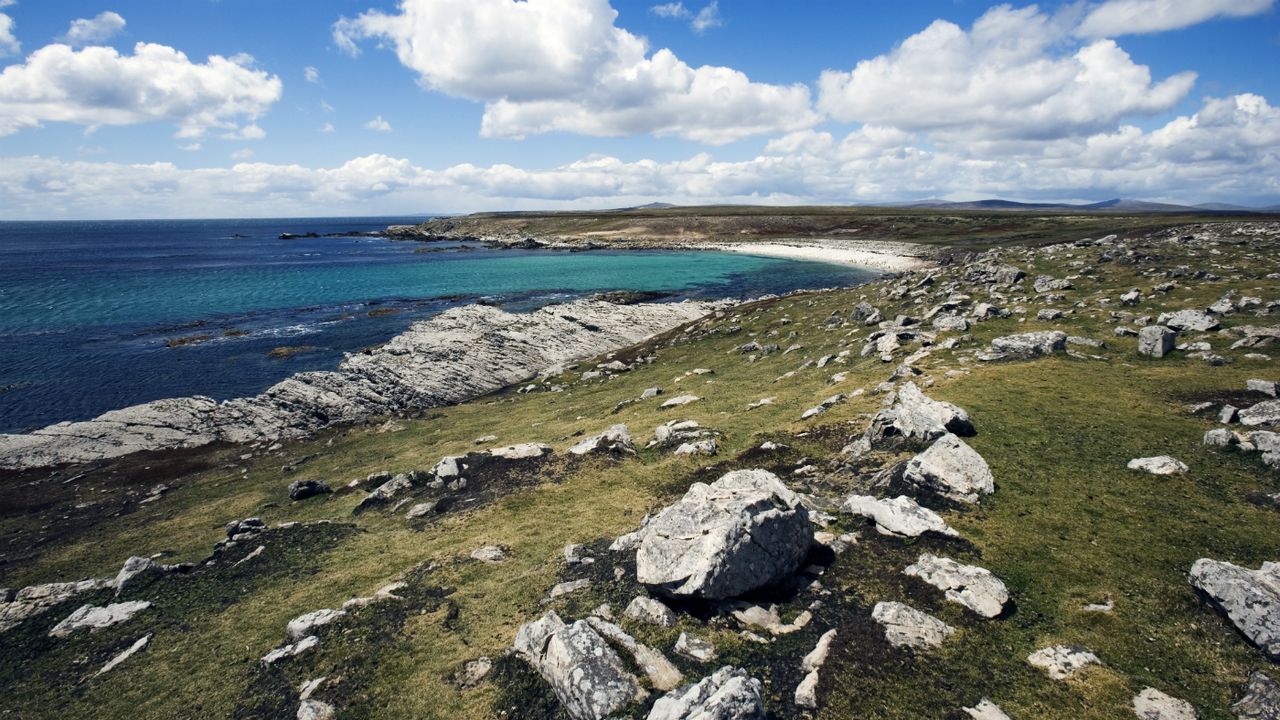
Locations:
(90, 313)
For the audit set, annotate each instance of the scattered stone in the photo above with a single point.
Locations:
(1151, 704)
(742, 532)
(132, 650)
(762, 402)
(904, 626)
(489, 554)
(758, 616)
(973, 587)
(304, 625)
(1029, 345)
(728, 694)
(650, 393)
(575, 554)
(291, 650)
(701, 447)
(1264, 413)
(1156, 341)
(1189, 321)
(584, 672)
(806, 695)
(986, 710)
(136, 567)
(1062, 661)
(1266, 387)
(952, 469)
(648, 610)
(473, 673)
(311, 709)
(1106, 608)
(661, 673)
(564, 588)
(1228, 414)
(1261, 699)
(522, 451)
(1249, 598)
(915, 416)
(1220, 437)
(90, 617)
(1160, 465)
(695, 648)
(449, 467)
(679, 401)
(616, 441)
(303, 489)
(1048, 314)
(422, 509)
(901, 516)
(385, 492)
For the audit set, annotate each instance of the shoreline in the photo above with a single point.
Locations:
(877, 256)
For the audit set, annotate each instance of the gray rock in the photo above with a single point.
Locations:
(973, 587)
(1266, 387)
(1264, 413)
(951, 468)
(1044, 284)
(449, 467)
(473, 673)
(904, 626)
(303, 489)
(1249, 598)
(1156, 341)
(1151, 704)
(901, 516)
(1221, 437)
(89, 617)
(728, 694)
(647, 610)
(584, 672)
(1049, 314)
(991, 273)
(650, 393)
(916, 416)
(1261, 699)
(951, 323)
(307, 624)
(616, 440)
(129, 652)
(290, 650)
(385, 492)
(1189, 321)
(986, 710)
(38, 599)
(679, 401)
(1160, 465)
(489, 554)
(567, 587)
(1062, 661)
(1228, 414)
(521, 451)
(661, 673)
(699, 447)
(695, 648)
(1032, 344)
(136, 567)
(312, 709)
(742, 532)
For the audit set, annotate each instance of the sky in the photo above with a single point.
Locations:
(261, 108)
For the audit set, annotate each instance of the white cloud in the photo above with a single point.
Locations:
(311, 74)
(1228, 151)
(7, 3)
(327, 128)
(1007, 77)
(248, 132)
(98, 86)
(242, 154)
(9, 44)
(93, 30)
(666, 10)
(191, 147)
(325, 106)
(378, 125)
(707, 18)
(1123, 17)
(563, 66)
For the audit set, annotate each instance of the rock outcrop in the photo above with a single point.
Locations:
(1249, 598)
(904, 626)
(460, 354)
(583, 670)
(728, 694)
(900, 516)
(973, 587)
(1062, 661)
(744, 531)
(952, 469)
(916, 416)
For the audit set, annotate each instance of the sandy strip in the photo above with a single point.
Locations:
(886, 257)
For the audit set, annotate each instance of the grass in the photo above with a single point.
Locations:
(1068, 525)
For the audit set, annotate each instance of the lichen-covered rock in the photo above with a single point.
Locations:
(1062, 661)
(616, 440)
(1189, 320)
(584, 672)
(1156, 341)
(904, 626)
(306, 624)
(1159, 465)
(741, 532)
(1032, 344)
(1151, 704)
(89, 617)
(952, 469)
(986, 710)
(1261, 700)
(650, 611)
(900, 516)
(303, 489)
(1264, 413)
(916, 416)
(973, 587)
(728, 694)
(694, 648)
(521, 451)
(1249, 598)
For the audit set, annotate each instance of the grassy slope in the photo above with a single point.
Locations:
(1068, 525)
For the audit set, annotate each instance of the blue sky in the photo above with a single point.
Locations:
(454, 105)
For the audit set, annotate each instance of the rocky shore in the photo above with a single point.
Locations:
(455, 356)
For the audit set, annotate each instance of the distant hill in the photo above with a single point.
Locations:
(1117, 205)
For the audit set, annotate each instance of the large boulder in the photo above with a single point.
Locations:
(744, 531)
(1032, 344)
(1189, 320)
(973, 587)
(992, 273)
(729, 694)
(1156, 341)
(952, 469)
(583, 671)
(916, 416)
(1249, 598)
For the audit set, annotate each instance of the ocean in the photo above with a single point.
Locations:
(101, 315)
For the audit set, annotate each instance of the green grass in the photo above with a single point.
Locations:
(1068, 525)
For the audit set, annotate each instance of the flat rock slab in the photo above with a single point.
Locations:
(1159, 465)
(1189, 320)
(973, 587)
(952, 469)
(744, 531)
(904, 626)
(728, 694)
(616, 440)
(1264, 413)
(986, 710)
(1151, 704)
(1062, 661)
(90, 617)
(1261, 699)
(901, 516)
(304, 625)
(1030, 345)
(584, 672)
(1249, 598)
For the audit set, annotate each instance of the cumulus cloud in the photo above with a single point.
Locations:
(1124, 17)
(98, 86)
(242, 154)
(248, 132)
(1006, 77)
(1229, 150)
(9, 44)
(666, 10)
(378, 125)
(311, 74)
(88, 31)
(563, 65)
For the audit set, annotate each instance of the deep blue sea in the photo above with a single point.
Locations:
(100, 315)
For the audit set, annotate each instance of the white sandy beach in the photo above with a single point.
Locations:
(884, 256)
